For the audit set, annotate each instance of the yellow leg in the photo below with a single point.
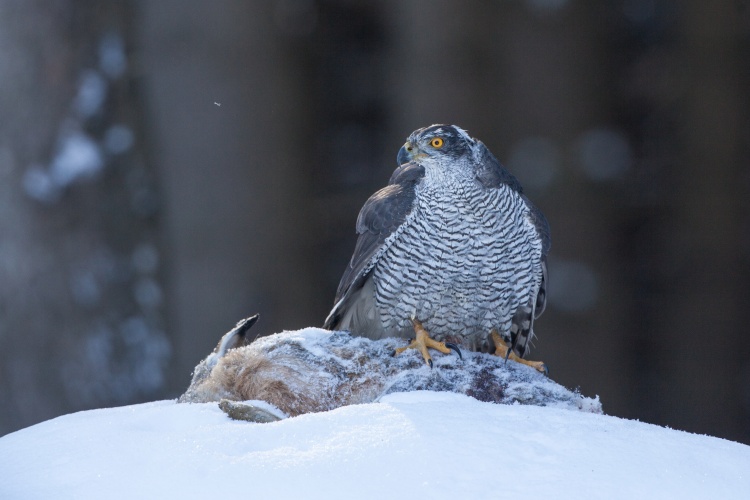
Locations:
(501, 349)
(423, 341)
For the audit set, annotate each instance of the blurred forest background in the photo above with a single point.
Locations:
(170, 167)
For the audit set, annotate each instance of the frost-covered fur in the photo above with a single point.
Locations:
(314, 370)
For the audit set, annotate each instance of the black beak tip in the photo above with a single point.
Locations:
(403, 156)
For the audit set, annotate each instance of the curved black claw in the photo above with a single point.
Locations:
(451, 345)
(429, 362)
(393, 353)
(546, 370)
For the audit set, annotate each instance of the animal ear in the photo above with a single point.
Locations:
(244, 325)
(237, 336)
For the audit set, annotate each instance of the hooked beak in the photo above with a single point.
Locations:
(407, 153)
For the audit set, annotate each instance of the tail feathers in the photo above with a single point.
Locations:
(541, 296)
(521, 331)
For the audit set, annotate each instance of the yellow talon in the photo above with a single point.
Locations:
(501, 349)
(422, 342)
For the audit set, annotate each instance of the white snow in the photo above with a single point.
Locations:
(408, 445)
(79, 156)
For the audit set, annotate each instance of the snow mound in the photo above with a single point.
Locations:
(436, 445)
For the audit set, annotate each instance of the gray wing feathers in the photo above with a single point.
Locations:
(522, 328)
(540, 223)
(542, 229)
(381, 215)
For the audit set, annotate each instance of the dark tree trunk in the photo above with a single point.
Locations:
(704, 318)
(81, 322)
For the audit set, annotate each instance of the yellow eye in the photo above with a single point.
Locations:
(437, 142)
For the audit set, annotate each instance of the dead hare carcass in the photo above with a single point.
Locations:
(313, 370)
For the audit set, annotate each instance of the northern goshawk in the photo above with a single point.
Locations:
(451, 248)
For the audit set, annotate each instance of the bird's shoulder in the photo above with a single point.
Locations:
(490, 172)
(388, 207)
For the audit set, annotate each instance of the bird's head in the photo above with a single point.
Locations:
(437, 143)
